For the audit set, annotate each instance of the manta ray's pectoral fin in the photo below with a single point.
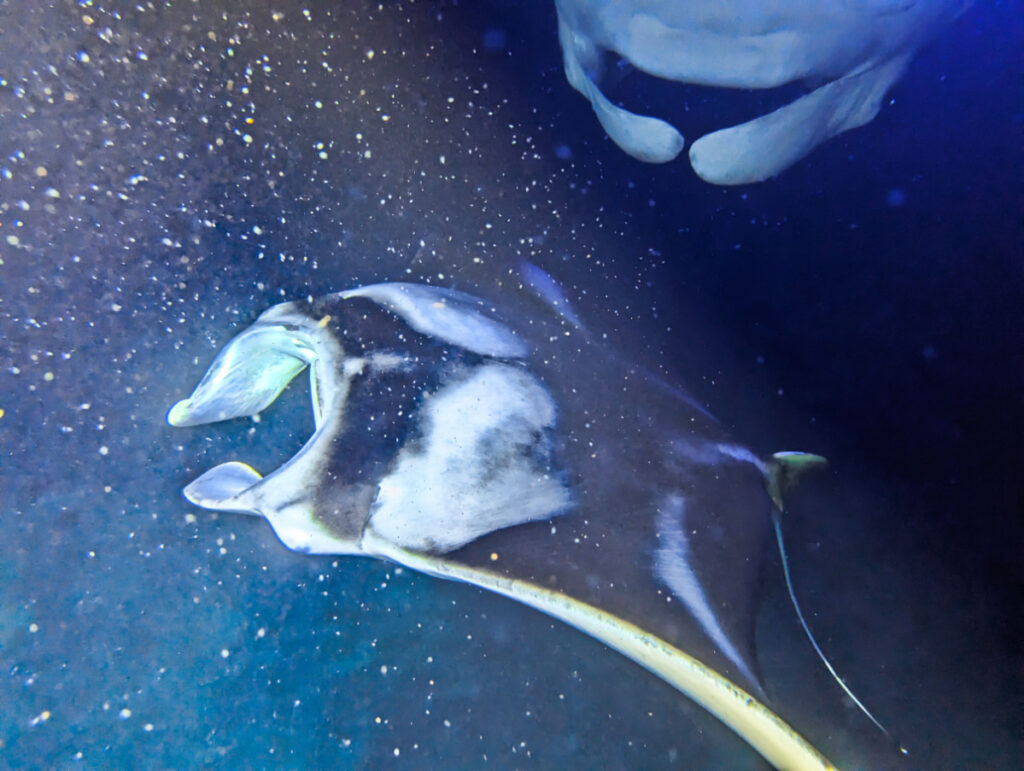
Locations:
(223, 488)
(748, 717)
(246, 377)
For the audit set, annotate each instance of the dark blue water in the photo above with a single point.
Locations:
(867, 305)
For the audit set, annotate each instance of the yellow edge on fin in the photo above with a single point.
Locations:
(765, 731)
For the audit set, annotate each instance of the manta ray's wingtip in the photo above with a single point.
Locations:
(752, 720)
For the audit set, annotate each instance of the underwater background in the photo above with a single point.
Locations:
(169, 170)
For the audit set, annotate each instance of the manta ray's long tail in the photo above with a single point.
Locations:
(785, 469)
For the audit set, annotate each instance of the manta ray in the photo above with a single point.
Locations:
(503, 446)
(848, 53)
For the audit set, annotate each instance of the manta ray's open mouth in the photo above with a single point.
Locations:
(695, 109)
(423, 432)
